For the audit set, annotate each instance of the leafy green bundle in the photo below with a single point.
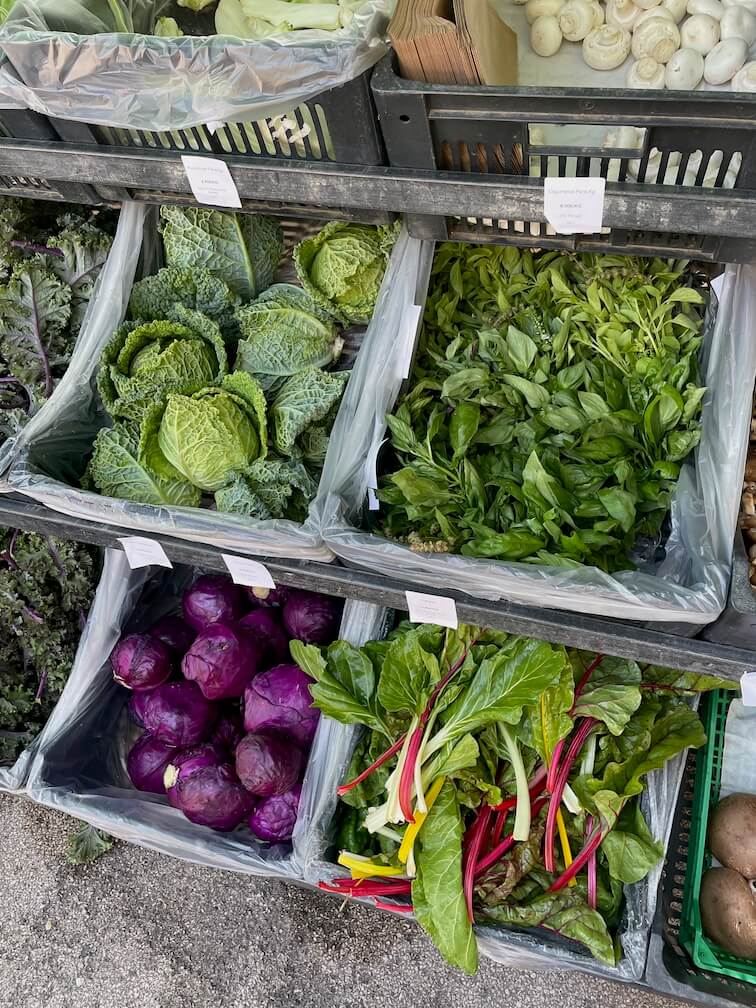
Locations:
(219, 384)
(46, 587)
(50, 258)
(498, 778)
(553, 402)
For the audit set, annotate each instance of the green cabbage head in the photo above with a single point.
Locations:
(208, 436)
(342, 267)
(144, 362)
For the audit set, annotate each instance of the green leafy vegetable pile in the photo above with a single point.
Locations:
(553, 402)
(50, 258)
(498, 779)
(219, 382)
(46, 588)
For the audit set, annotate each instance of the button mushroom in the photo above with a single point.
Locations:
(732, 833)
(646, 73)
(658, 38)
(700, 32)
(622, 14)
(606, 48)
(724, 60)
(738, 22)
(711, 7)
(728, 911)
(745, 80)
(684, 70)
(676, 8)
(542, 8)
(545, 35)
(577, 18)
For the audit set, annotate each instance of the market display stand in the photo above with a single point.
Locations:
(464, 164)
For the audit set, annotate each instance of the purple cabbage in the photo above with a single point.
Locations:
(312, 618)
(147, 761)
(212, 796)
(280, 699)
(266, 629)
(274, 818)
(212, 599)
(268, 764)
(229, 730)
(177, 713)
(140, 662)
(222, 661)
(265, 597)
(174, 632)
(137, 701)
(185, 762)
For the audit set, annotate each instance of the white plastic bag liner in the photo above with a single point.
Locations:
(73, 63)
(60, 438)
(79, 762)
(12, 778)
(9, 91)
(690, 585)
(332, 753)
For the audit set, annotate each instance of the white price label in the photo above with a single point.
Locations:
(214, 126)
(143, 552)
(748, 689)
(574, 205)
(211, 182)
(250, 573)
(373, 502)
(408, 329)
(717, 285)
(432, 609)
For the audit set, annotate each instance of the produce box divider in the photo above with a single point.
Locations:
(595, 633)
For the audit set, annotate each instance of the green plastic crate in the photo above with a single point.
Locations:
(704, 952)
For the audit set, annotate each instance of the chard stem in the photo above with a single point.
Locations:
(383, 758)
(521, 829)
(579, 863)
(556, 796)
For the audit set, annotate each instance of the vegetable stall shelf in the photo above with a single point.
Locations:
(692, 145)
(623, 639)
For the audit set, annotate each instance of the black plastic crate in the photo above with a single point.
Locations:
(705, 141)
(669, 967)
(337, 126)
(23, 124)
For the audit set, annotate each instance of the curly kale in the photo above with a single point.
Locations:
(46, 588)
(49, 262)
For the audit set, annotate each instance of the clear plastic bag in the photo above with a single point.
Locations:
(689, 586)
(72, 62)
(58, 440)
(78, 763)
(333, 750)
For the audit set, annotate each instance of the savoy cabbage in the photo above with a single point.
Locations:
(194, 288)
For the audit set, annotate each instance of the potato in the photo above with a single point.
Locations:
(732, 833)
(728, 911)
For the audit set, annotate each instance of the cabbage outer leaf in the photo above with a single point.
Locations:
(195, 288)
(302, 400)
(244, 250)
(116, 471)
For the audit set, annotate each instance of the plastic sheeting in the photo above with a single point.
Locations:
(57, 442)
(72, 63)
(332, 753)
(79, 762)
(689, 586)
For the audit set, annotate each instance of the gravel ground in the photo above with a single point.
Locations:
(140, 930)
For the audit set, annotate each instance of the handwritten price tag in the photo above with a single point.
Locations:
(250, 573)
(211, 182)
(574, 205)
(432, 609)
(143, 552)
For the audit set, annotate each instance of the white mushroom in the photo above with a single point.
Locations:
(658, 12)
(576, 20)
(542, 8)
(675, 7)
(700, 32)
(622, 13)
(646, 73)
(684, 70)
(606, 48)
(598, 13)
(545, 35)
(724, 60)
(713, 8)
(658, 38)
(647, 4)
(748, 4)
(745, 78)
(738, 22)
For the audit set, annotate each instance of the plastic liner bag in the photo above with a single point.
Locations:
(53, 458)
(12, 778)
(10, 97)
(76, 59)
(79, 763)
(689, 586)
(332, 752)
